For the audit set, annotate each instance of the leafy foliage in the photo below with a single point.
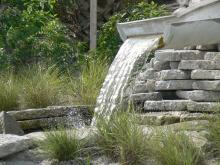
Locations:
(31, 33)
(109, 40)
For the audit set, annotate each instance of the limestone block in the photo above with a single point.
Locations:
(215, 56)
(141, 97)
(160, 65)
(140, 88)
(207, 85)
(196, 64)
(207, 47)
(174, 65)
(199, 95)
(166, 105)
(205, 74)
(151, 85)
(173, 85)
(202, 106)
(173, 75)
(178, 55)
(8, 124)
(11, 144)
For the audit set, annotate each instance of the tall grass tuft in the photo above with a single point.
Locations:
(122, 139)
(175, 148)
(41, 87)
(85, 88)
(9, 93)
(62, 145)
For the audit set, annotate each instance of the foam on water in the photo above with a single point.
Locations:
(121, 71)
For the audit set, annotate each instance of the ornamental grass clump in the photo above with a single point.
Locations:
(62, 145)
(9, 93)
(41, 87)
(122, 139)
(175, 148)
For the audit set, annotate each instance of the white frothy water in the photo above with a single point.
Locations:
(120, 72)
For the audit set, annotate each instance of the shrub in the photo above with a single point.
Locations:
(172, 148)
(9, 93)
(85, 88)
(62, 145)
(41, 87)
(121, 138)
(109, 40)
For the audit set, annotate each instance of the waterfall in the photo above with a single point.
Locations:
(121, 71)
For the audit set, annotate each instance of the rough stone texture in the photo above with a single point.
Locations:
(202, 106)
(146, 96)
(53, 111)
(206, 74)
(207, 47)
(8, 124)
(166, 105)
(207, 85)
(199, 95)
(148, 74)
(140, 88)
(174, 65)
(196, 64)
(178, 55)
(173, 85)
(212, 56)
(173, 75)
(151, 85)
(160, 65)
(11, 144)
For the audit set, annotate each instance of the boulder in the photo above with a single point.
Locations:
(205, 74)
(8, 124)
(11, 144)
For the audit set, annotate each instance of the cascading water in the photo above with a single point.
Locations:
(121, 71)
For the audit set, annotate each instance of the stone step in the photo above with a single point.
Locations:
(173, 75)
(165, 118)
(166, 105)
(141, 97)
(173, 85)
(215, 56)
(140, 88)
(197, 64)
(203, 107)
(178, 55)
(205, 74)
(207, 85)
(199, 95)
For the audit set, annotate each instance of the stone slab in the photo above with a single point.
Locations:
(151, 85)
(166, 105)
(205, 74)
(173, 85)
(161, 65)
(141, 97)
(9, 125)
(53, 111)
(173, 75)
(178, 55)
(199, 95)
(140, 88)
(148, 74)
(11, 144)
(207, 85)
(196, 64)
(202, 106)
(212, 56)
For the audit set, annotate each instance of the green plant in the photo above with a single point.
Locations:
(85, 88)
(175, 148)
(122, 139)
(41, 87)
(62, 145)
(109, 40)
(9, 93)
